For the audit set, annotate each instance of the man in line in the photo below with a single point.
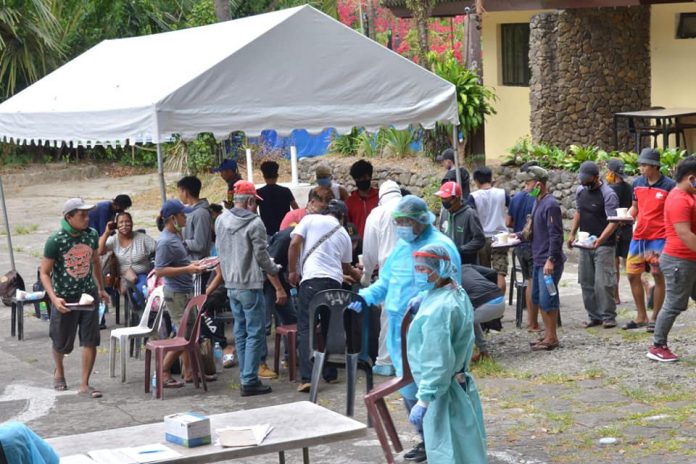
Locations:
(244, 258)
(595, 202)
(364, 198)
(463, 225)
(69, 268)
(650, 191)
(490, 204)
(105, 211)
(547, 255)
(320, 254)
(446, 158)
(378, 242)
(678, 260)
(319, 198)
(198, 232)
(521, 207)
(624, 232)
(277, 200)
(229, 173)
(325, 179)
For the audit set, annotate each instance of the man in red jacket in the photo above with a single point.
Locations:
(365, 198)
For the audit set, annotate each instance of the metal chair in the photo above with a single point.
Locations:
(344, 343)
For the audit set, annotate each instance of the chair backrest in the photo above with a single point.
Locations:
(156, 295)
(405, 324)
(344, 332)
(196, 302)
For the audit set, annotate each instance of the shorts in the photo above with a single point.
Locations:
(499, 261)
(644, 253)
(540, 294)
(176, 302)
(623, 241)
(63, 328)
(524, 258)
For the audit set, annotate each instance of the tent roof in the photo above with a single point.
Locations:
(290, 69)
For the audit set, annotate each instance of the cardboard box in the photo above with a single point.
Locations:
(187, 429)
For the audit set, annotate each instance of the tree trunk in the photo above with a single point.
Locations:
(370, 19)
(222, 10)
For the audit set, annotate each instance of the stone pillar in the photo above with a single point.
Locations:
(587, 64)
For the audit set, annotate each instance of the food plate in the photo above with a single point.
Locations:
(620, 219)
(583, 245)
(80, 307)
(509, 244)
(210, 262)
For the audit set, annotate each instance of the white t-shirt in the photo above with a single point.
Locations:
(490, 205)
(327, 260)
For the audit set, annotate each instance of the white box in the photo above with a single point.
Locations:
(187, 429)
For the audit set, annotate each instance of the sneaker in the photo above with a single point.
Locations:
(228, 360)
(661, 354)
(255, 389)
(416, 454)
(265, 372)
(304, 387)
(592, 323)
(609, 324)
(385, 370)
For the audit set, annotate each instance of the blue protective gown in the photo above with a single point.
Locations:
(22, 446)
(440, 343)
(396, 286)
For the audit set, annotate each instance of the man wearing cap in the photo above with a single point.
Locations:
(463, 225)
(320, 255)
(70, 268)
(317, 201)
(105, 211)
(229, 173)
(547, 254)
(650, 192)
(446, 158)
(241, 243)
(624, 232)
(325, 179)
(595, 202)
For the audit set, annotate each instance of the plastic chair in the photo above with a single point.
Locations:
(139, 332)
(520, 287)
(178, 343)
(377, 410)
(289, 331)
(343, 341)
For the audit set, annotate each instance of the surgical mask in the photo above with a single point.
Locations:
(535, 191)
(406, 233)
(363, 184)
(447, 204)
(611, 177)
(422, 283)
(324, 182)
(177, 227)
(65, 225)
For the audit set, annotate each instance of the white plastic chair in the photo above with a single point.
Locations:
(142, 330)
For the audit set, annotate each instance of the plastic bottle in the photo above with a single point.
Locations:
(144, 291)
(102, 310)
(43, 310)
(153, 385)
(217, 354)
(550, 286)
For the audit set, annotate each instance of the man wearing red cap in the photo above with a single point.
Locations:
(463, 225)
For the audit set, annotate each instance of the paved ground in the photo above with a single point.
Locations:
(539, 407)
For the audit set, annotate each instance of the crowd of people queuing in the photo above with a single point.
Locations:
(386, 244)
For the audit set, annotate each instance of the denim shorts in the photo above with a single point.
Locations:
(540, 295)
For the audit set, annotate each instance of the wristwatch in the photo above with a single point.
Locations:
(552, 259)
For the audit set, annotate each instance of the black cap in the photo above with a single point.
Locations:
(447, 154)
(649, 156)
(588, 169)
(528, 165)
(337, 208)
(536, 173)
(616, 166)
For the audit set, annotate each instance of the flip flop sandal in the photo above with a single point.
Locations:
(544, 346)
(650, 327)
(634, 325)
(91, 392)
(540, 329)
(208, 378)
(534, 342)
(59, 384)
(172, 383)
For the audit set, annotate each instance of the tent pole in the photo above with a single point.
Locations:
(250, 166)
(160, 171)
(456, 155)
(293, 165)
(7, 225)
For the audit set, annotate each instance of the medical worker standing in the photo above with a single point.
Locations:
(396, 285)
(440, 342)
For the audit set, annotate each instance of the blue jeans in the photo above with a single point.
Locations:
(249, 314)
(540, 295)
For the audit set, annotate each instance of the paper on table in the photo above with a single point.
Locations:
(149, 453)
(76, 459)
(110, 456)
(252, 435)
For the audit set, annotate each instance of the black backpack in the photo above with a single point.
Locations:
(9, 284)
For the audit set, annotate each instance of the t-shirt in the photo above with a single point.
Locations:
(100, 215)
(359, 208)
(293, 218)
(275, 205)
(327, 260)
(135, 255)
(650, 223)
(679, 207)
(624, 191)
(72, 268)
(490, 204)
(521, 206)
(172, 253)
(595, 206)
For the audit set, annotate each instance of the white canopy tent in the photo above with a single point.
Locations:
(290, 69)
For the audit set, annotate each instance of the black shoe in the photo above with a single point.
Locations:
(592, 323)
(255, 389)
(417, 453)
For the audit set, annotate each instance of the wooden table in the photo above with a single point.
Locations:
(663, 116)
(295, 425)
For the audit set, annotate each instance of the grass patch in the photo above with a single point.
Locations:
(635, 336)
(26, 230)
(666, 393)
(559, 422)
(487, 367)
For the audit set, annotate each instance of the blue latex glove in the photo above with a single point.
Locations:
(356, 306)
(417, 414)
(414, 304)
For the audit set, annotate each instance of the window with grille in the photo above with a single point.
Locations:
(514, 39)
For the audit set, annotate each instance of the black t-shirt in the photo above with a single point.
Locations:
(593, 216)
(275, 205)
(624, 191)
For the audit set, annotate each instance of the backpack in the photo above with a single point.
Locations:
(9, 284)
(38, 287)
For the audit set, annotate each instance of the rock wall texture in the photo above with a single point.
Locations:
(587, 64)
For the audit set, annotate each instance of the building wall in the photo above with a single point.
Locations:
(673, 62)
(512, 120)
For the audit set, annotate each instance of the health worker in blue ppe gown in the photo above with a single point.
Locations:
(440, 342)
(396, 285)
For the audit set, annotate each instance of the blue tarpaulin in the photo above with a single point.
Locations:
(308, 145)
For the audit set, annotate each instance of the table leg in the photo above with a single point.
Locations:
(13, 320)
(281, 457)
(20, 320)
(305, 455)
